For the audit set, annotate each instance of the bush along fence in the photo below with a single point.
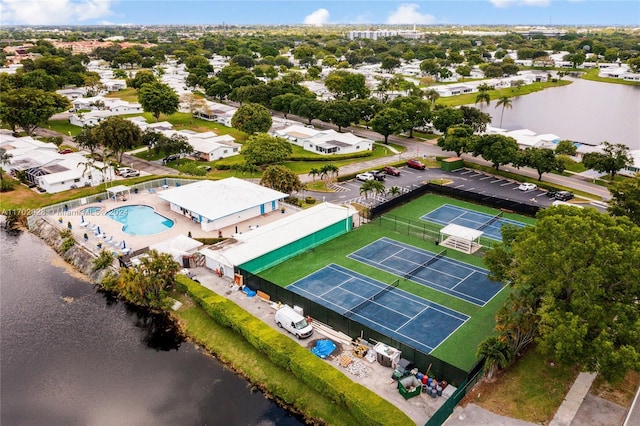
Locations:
(323, 378)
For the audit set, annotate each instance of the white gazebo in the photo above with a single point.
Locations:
(118, 190)
(460, 238)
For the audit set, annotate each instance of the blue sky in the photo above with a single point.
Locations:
(269, 12)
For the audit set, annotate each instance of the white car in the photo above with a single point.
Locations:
(527, 186)
(365, 176)
(130, 173)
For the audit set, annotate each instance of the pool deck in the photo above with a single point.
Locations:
(182, 224)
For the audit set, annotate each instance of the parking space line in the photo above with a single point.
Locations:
(505, 184)
(486, 177)
(460, 186)
(496, 181)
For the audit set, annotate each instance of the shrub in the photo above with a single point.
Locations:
(310, 200)
(67, 244)
(104, 260)
(7, 185)
(65, 233)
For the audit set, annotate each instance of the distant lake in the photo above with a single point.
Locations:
(583, 111)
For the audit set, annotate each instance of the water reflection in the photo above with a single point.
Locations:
(71, 355)
(583, 111)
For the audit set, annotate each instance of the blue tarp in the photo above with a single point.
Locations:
(323, 348)
(248, 291)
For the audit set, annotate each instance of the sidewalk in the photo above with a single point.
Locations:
(574, 399)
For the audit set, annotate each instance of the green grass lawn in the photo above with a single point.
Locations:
(470, 98)
(532, 389)
(459, 349)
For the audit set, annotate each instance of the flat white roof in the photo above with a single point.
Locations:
(217, 199)
(262, 240)
(461, 232)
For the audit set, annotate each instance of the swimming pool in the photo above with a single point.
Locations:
(140, 220)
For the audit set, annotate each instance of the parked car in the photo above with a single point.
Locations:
(121, 170)
(415, 164)
(130, 173)
(65, 151)
(564, 196)
(378, 175)
(527, 186)
(171, 157)
(365, 176)
(551, 193)
(393, 171)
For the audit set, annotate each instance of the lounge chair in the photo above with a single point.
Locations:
(94, 227)
(84, 224)
(109, 240)
(151, 191)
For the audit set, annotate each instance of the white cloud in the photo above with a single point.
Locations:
(319, 17)
(507, 3)
(407, 13)
(50, 12)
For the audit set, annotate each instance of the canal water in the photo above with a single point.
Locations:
(70, 355)
(583, 111)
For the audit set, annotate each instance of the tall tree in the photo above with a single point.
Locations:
(158, 98)
(475, 118)
(263, 149)
(504, 102)
(29, 108)
(252, 118)
(193, 103)
(307, 108)
(372, 186)
(498, 149)
(496, 353)
(87, 140)
(281, 179)
(580, 271)
(417, 112)
(543, 160)
(612, 159)
(625, 199)
(118, 135)
(340, 112)
(457, 138)
(443, 118)
(388, 122)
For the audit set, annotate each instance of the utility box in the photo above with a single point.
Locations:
(451, 164)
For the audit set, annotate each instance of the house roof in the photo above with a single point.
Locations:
(461, 232)
(217, 199)
(209, 145)
(262, 240)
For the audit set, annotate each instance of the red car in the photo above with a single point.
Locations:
(392, 171)
(415, 164)
(65, 151)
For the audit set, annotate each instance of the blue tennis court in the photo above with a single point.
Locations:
(450, 276)
(403, 316)
(489, 224)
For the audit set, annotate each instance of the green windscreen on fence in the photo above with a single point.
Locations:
(297, 247)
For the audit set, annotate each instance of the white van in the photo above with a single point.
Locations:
(293, 322)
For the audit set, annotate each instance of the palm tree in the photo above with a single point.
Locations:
(313, 173)
(394, 190)
(496, 353)
(505, 102)
(328, 171)
(372, 186)
(483, 97)
(432, 96)
(5, 159)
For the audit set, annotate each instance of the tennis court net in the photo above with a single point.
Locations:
(372, 299)
(490, 221)
(429, 261)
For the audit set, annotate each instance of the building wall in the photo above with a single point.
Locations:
(281, 254)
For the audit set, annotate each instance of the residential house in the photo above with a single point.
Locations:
(324, 141)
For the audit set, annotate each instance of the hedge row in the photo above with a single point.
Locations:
(323, 378)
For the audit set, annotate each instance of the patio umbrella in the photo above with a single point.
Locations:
(98, 230)
(82, 219)
(124, 244)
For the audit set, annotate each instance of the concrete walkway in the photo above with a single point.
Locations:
(572, 402)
